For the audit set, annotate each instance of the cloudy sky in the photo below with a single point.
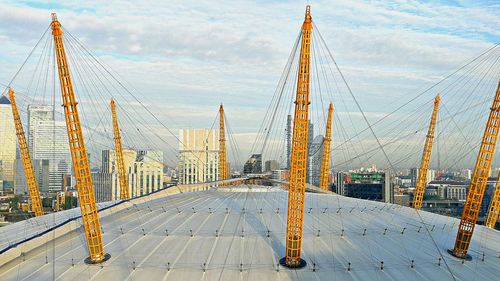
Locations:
(188, 56)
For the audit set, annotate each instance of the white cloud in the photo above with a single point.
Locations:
(186, 57)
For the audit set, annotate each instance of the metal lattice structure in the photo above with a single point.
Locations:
(479, 180)
(120, 164)
(298, 165)
(494, 208)
(34, 193)
(325, 159)
(426, 158)
(223, 172)
(81, 167)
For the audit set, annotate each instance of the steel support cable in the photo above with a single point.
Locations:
(467, 141)
(79, 82)
(123, 87)
(455, 143)
(282, 83)
(234, 144)
(48, 45)
(94, 80)
(276, 94)
(318, 57)
(358, 105)
(82, 85)
(316, 95)
(324, 48)
(49, 60)
(271, 123)
(279, 141)
(276, 128)
(431, 87)
(485, 85)
(341, 131)
(436, 245)
(467, 81)
(105, 102)
(396, 139)
(137, 139)
(26, 60)
(474, 90)
(36, 72)
(104, 65)
(285, 88)
(290, 90)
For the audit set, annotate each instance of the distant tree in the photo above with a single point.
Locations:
(47, 202)
(14, 202)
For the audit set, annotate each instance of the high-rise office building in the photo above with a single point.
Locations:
(272, 165)
(371, 186)
(20, 186)
(49, 140)
(144, 169)
(314, 160)
(37, 112)
(431, 175)
(339, 183)
(310, 136)
(253, 165)
(7, 145)
(198, 155)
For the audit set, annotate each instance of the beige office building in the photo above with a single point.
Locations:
(7, 145)
(143, 167)
(198, 155)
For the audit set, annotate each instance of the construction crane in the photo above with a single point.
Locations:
(426, 158)
(494, 208)
(298, 166)
(478, 181)
(325, 159)
(223, 172)
(34, 193)
(122, 175)
(79, 156)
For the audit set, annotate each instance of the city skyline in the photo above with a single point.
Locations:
(373, 72)
(372, 178)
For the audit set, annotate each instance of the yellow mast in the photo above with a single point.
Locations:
(478, 181)
(84, 185)
(25, 157)
(494, 208)
(122, 175)
(223, 172)
(426, 158)
(297, 188)
(325, 159)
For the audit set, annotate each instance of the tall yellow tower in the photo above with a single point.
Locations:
(478, 181)
(494, 207)
(298, 165)
(84, 185)
(426, 158)
(122, 175)
(325, 159)
(223, 172)
(34, 193)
